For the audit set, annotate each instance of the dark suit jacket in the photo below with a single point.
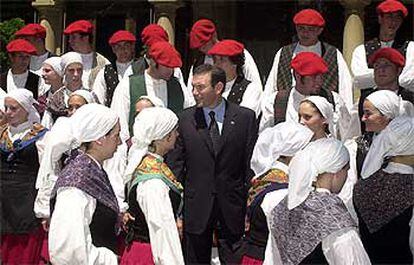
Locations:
(205, 175)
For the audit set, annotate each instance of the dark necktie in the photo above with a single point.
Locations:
(214, 131)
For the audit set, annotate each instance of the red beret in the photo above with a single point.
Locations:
(201, 32)
(21, 45)
(390, 54)
(121, 35)
(309, 63)
(163, 53)
(32, 30)
(153, 33)
(390, 6)
(226, 48)
(79, 26)
(309, 17)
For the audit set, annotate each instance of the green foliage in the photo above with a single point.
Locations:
(7, 30)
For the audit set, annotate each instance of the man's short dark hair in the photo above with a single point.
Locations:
(217, 74)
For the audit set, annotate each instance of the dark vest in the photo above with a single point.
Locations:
(372, 45)
(137, 89)
(238, 89)
(111, 76)
(32, 83)
(363, 144)
(102, 227)
(284, 74)
(18, 192)
(138, 229)
(282, 99)
(404, 93)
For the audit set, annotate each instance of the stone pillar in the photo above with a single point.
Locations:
(51, 17)
(165, 12)
(354, 27)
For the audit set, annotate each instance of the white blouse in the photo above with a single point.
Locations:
(154, 200)
(70, 240)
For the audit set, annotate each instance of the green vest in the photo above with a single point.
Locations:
(137, 89)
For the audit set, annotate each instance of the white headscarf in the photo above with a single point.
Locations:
(325, 155)
(87, 95)
(2, 96)
(326, 109)
(157, 102)
(56, 63)
(87, 124)
(25, 98)
(285, 139)
(69, 58)
(396, 139)
(150, 124)
(387, 102)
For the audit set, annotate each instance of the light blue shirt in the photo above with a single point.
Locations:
(219, 111)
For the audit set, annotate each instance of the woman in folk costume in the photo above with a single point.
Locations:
(384, 197)
(312, 224)
(271, 155)
(20, 148)
(79, 98)
(85, 211)
(154, 194)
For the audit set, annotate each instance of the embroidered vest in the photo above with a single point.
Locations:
(137, 89)
(237, 90)
(372, 45)
(111, 76)
(18, 172)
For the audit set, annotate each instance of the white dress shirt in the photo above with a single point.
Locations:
(344, 76)
(154, 201)
(70, 240)
(364, 76)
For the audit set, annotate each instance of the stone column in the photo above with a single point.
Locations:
(165, 12)
(51, 17)
(354, 27)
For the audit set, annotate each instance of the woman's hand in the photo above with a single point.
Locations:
(126, 217)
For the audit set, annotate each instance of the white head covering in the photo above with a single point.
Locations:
(157, 102)
(150, 124)
(396, 139)
(25, 98)
(325, 155)
(326, 109)
(387, 102)
(56, 63)
(2, 96)
(87, 124)
(285, 139)
(87, 95)
(69, 58)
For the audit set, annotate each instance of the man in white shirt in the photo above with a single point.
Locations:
(228, 55)
(391, 14)
(122, 43)
(309, 25)
(156, 81)
(80, 40)
(19, 76)
(203, 36)
(309, 70)
(35, 34)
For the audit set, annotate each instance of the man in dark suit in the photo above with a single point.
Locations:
(212, 159)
